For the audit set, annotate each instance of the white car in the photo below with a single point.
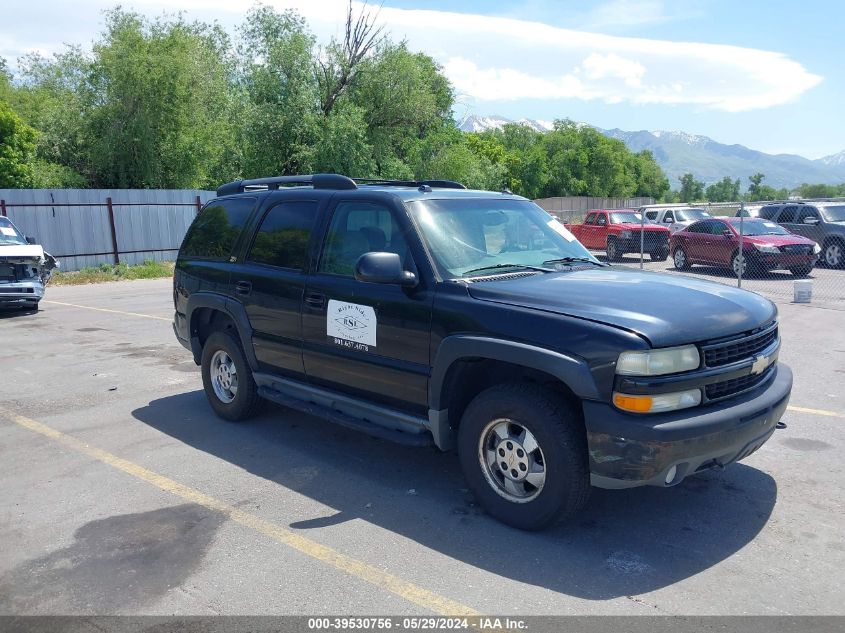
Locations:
(25, 268)
(675, 218)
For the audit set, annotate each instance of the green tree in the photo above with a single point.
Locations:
(726, 190)
(279, 119)
(755, 187)
(17, 149)
(691, 189)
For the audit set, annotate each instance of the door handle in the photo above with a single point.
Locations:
(243, 287)
(315, 299)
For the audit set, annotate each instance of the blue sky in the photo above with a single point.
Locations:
(768, 75)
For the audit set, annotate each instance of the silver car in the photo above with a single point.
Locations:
(675, 218)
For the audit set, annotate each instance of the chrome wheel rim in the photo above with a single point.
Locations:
(224, 377)
(611, 250)
(512, 460)
(833, 255)
(680, 258)
(737, 267)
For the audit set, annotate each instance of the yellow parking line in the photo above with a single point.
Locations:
(136, 314)
(830, 414)
(373, 575)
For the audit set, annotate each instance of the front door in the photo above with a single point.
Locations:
(369, 340)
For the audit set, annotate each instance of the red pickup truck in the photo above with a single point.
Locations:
(618, 232)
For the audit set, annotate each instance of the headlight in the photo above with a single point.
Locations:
(626, 235)
(816, 249)
(657, 362)
(765, 248)
(658, 403)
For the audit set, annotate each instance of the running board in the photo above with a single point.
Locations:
(380, 422)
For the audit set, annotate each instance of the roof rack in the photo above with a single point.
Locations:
(318, 181)
(443, 184)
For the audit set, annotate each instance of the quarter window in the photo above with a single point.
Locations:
(215, 230)
(282, 239)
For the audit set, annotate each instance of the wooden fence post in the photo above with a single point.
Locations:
(199, 205)
(113, 230)
(3, 208)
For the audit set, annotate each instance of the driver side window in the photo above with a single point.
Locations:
(357, 228)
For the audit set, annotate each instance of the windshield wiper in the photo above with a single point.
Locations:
(572, 260)
(495, 266)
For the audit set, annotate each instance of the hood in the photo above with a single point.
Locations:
(665, 309)
(778, 240)
(635, 226)
(33, 251)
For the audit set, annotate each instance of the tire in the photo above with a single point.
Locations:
(558, 464)
(236, 398)
(612, 250)
(834, 254)
(680, 259)
(659, 256)
(801, 271)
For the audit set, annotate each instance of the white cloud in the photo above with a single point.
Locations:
(495, 58)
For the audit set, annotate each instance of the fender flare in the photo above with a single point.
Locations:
(572, 371)
(233, 310)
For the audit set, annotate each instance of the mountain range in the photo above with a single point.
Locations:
(680, 152)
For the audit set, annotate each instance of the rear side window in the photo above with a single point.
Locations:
(788, 214)
(216, 228)
(769, 212)
(283, 237)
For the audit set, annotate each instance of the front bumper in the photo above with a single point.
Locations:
(775, 261)
(651, 243)
(640, 450)
(20, 292)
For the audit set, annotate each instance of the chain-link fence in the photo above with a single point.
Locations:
(800, 260)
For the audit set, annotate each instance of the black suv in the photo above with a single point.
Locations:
(822, 221)
(422, 312)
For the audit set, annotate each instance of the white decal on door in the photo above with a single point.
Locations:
(351, 325)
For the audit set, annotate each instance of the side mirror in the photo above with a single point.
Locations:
(811, 220)
(383, 268)
(31, 240)
(727, 233)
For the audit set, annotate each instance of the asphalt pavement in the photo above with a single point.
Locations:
(121, 493)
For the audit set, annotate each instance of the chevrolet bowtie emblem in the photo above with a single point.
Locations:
(760, 364)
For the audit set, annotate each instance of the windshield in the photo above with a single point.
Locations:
(834, 214)
(626, 216)
(760, 227)
(9, 234)
(688, 215)
(464, 235)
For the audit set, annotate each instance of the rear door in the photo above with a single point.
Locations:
(368, 340)
(270, 283)
(588, 229)
(800, 227)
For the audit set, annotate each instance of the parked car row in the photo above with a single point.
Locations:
(792, 236)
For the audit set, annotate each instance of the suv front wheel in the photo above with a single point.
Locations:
(227, 379)
(523, 452)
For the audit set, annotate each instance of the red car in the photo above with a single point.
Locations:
(618, 232)
(766, 246)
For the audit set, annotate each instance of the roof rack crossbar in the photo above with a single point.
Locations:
(443, 184)
(318, 181)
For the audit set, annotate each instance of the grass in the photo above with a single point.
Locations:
(112, 272)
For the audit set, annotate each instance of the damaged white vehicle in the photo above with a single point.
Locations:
(25, 268)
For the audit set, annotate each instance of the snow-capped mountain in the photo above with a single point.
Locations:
(681, 152)
(834, 159)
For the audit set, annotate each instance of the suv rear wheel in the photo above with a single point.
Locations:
(524, 455)
(227, 379)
